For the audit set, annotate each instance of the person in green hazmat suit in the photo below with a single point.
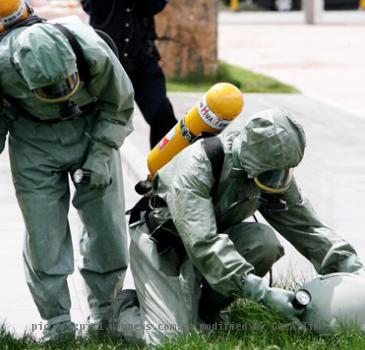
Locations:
(196, 250)
(66, 111)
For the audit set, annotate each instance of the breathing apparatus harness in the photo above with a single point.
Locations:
(164, 235)
(270, 202)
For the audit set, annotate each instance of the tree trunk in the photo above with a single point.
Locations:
(187, 37)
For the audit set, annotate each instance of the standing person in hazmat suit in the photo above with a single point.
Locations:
(193, 252)
(70, 103)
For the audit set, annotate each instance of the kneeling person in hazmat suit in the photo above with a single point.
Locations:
(193, 252)
(68, 106)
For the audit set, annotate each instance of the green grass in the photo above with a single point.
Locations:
(244, 79)
(250, 327)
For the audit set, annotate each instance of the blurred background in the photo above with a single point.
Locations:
(315, 46)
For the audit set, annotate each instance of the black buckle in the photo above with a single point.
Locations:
(273, 203)
(164, 237)
(185, 132)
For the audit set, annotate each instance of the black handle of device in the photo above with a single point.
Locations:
(82, 176)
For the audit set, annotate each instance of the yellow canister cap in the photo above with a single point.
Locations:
(225, 100)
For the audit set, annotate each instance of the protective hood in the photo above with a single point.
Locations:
(270, 140)
(43, 56)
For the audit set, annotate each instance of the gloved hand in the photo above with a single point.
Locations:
(97, 163)
(274, 298)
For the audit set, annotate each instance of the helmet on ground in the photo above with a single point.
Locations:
(337, 303)
(12, 11)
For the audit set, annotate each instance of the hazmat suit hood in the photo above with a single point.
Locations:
(271, 140)
(43, 56)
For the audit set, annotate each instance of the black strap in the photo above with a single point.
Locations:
(6, 109)
(82, 65)
(85, 109)
(165, 236)
(186, 133)
(107, 38)
(143, 206)
(139, 210)
(214, 149)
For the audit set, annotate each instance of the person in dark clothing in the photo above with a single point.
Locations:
(130, 23)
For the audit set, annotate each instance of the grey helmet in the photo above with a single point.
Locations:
(333, 302)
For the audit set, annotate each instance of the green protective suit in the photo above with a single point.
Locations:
(223, 248)
(44, 154)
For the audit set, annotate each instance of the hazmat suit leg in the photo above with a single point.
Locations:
(40, 155)
(103, 245)
(258, 244)
(168, 291)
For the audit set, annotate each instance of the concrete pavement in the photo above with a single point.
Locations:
(351, 17)
(324, 61)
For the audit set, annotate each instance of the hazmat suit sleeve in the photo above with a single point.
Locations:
(191, 208)
(114, 92)
(322, 246)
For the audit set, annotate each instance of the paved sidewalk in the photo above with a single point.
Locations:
(339, 17)
(325, 61)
